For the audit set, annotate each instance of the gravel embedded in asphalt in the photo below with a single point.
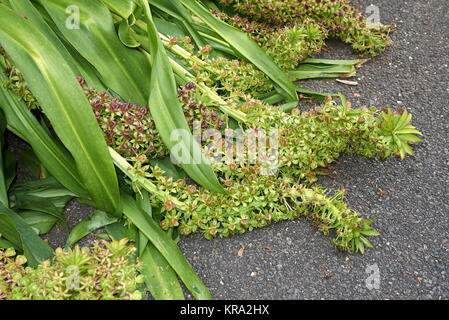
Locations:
(291, 260)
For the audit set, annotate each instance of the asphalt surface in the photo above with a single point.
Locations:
(291, 260)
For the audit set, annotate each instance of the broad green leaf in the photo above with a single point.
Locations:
(26, 9)
(124, 70)
(169, 117)
(10, 165)
(5, 244)
(34, 248)
(315, 95)
(40, 19)
(321, 71)
(32, 163)
(245, 46)
(22, 122)
(96, 220)
(330, 62)
(116, 230)
(41, 202)
(9, 231)
(160, 277)
(3, 188)
(127, 35)
(124, 8)
(406, 131)
(288, 107)
(63, 101)
(165, 245)
(176, 10)
(41, 221)
(30, 202)
(48, 188)
(409, 137)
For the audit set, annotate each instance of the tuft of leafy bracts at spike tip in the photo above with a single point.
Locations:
(313, 139)
(105, 272)
(339, 19)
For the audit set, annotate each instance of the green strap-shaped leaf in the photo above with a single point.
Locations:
(96, 220)
(40, 221)
(63, 101)
(22, 122)
(127, 35)
(46, 26)
(124, 70)
(43, 205)
(245, 46)
(123, 8)
(176, 10)
(168, 116)
(160, 277)
(165, 245)
(3, 188)
(26, 9)
(321, 71)
(35, 249)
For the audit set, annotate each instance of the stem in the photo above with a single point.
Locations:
(222, 105)
(188, 77)
(129, 171)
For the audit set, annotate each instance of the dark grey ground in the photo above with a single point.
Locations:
(291, 260)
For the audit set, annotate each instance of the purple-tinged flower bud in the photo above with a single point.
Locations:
(139, 128)
(81, 81)
(193, 105)
(125, 107)
(126, 135)
(98, 105)
(114, 106)
(130, 120)
(112, 124)
(109, 133)
(190, 86)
